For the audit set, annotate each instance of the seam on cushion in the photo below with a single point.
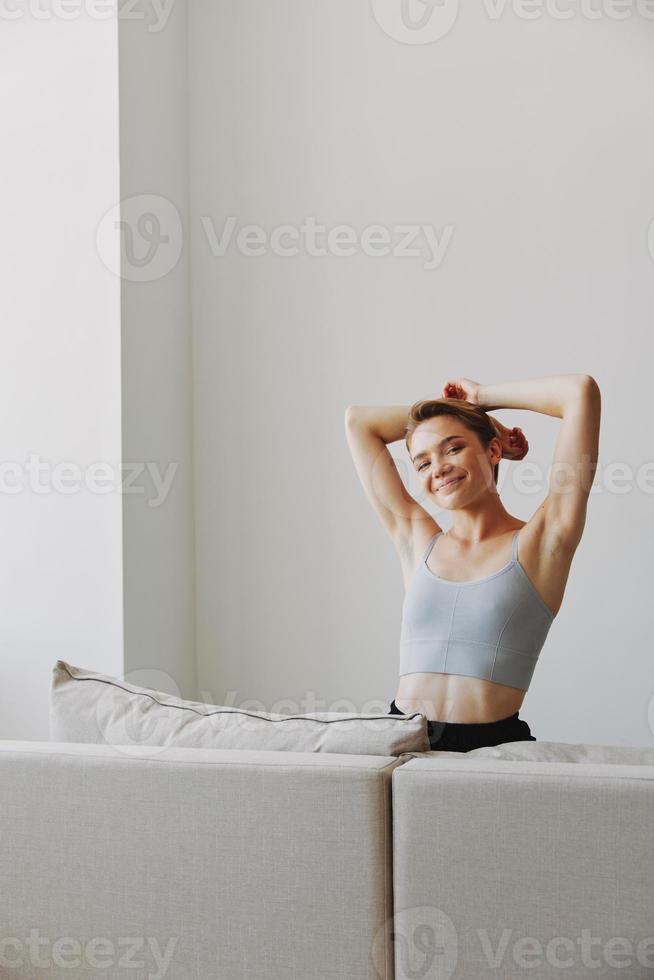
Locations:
(240, 711)
(551, 775)
(393, 764)
(201, 762)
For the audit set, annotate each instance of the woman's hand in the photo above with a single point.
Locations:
(514, 443)
(462, 388)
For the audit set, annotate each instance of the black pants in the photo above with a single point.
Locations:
(450, 736)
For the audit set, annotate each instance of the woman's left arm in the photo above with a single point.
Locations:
(576, 400)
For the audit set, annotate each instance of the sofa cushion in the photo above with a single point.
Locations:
(86, 706)
(564, 752)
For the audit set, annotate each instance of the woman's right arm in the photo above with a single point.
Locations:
(387, 421)
(369, 428)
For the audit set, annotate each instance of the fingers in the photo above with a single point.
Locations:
(452, 389)
(518, 444)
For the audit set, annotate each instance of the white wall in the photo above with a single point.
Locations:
(524, 141)
(60, 564)
(530, 138)
(94, 113)
(158, 536)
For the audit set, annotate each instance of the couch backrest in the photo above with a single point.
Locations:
(217, 863)
(496, 858)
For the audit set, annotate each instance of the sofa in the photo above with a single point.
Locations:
(527, 859)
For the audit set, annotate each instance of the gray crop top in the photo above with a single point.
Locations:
(493, 628)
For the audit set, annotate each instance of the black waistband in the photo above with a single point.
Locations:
(461, 725)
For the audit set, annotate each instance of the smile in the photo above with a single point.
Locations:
(450, 483)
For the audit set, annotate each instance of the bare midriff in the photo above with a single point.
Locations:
(457, 699)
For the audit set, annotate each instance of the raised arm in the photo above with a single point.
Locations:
(576, 400)
(368, 429)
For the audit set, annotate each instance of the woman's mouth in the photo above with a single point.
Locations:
(450, 483)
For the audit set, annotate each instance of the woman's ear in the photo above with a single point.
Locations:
(495, 446)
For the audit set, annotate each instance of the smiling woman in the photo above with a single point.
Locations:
(475, 421)
(473, 627)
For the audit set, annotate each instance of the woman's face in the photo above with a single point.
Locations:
(450, 461)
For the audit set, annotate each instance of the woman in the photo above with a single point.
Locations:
(480, 598)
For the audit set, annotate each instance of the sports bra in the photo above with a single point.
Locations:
(492, 628)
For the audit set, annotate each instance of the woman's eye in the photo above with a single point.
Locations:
(455, 449)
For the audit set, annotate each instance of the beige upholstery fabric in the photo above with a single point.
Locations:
(566, 752)
(201, 864)
(87, 706)
(553, 752)
(211, 863)
(529, 868)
